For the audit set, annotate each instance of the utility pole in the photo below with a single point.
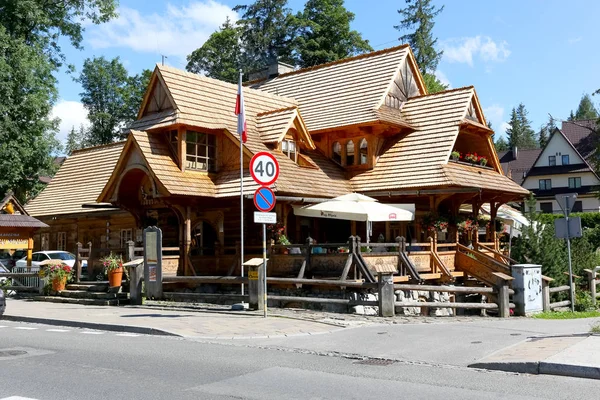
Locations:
(163, 59)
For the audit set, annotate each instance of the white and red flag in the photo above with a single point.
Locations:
(241, 113)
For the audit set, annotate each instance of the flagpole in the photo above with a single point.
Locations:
(241, 194)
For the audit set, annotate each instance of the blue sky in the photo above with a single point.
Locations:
(541, 53)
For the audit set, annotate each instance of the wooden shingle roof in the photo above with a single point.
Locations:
(79, 181)
(342, 93)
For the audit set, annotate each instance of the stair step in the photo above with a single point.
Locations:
(92, 287)
(84, 294)
(89, 302)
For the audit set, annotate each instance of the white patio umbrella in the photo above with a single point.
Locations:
(356, 207)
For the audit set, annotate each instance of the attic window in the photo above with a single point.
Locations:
(201, 151)
(364, 151)
(290, 149)
(350, 153)
(336, 152)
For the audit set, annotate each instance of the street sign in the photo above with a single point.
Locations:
(264, 168)
(566, 201)
(265, 217)
(264, 199)
(560, 227)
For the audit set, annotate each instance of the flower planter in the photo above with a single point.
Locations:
(59, 284)
(115, 277)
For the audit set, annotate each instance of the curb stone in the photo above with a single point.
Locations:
(90, 325)
(541, 368)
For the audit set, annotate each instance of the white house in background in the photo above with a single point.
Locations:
(564, 166)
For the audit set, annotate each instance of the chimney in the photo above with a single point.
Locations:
(515, 153)
(271, 71)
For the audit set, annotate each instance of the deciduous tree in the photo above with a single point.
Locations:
(220, 56)
(111, 97)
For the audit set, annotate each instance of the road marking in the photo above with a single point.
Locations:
(25, 328)
(2, 326)
(91, 333)
(57, 330)
(128, 334)
(17, 398)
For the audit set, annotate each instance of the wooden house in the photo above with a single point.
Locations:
(363, 124)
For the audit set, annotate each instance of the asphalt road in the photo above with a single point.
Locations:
(51, 363)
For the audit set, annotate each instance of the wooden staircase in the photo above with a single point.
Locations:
(92, 293)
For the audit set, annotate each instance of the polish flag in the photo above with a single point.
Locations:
(241, 113)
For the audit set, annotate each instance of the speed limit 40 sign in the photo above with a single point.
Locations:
(264, 168)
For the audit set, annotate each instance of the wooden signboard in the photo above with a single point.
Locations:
(14, 240)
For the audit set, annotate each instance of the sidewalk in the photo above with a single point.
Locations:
(568, 355)
(188, 324)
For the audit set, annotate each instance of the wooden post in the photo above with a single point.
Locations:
(401, 248)
(591, 278)
(187, 240)
(78, 263)
(503, 300)
(546, 294)
(29, 251)
(432, 264)
(387, 298)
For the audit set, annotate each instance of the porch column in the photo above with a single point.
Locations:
(476, 206)
(493, 213)
(187, 240)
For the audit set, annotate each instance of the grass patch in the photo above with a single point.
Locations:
(595, 329)
(567, 315)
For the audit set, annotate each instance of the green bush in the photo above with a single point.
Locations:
(583, 301)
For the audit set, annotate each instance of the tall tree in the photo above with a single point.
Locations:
(501, 144)
(31, 33)
(268, 31)
(543, 136)
(27, 133)
(220, 56)
(519, 133)
(419, 15)
(73, 141)
(111, 97)
(586, 109)
(326, 35)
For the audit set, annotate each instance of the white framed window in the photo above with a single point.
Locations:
(289, 148)
(575, 183)
(364, 152)
(126, 236)
(545, 184)
(201, 151)
(61, 241)
(552, 161)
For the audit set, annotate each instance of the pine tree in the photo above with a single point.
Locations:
(501, 144)
(519, 133)
(419, 15)
(326, 35)
(220, 56)
(586, 109)
(73, 141)
(571, 116)
(267, 31)
(543, 136)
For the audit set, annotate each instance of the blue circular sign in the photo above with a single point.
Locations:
(264, 199)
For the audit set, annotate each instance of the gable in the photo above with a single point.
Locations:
(157, 98)
(474, 112)
(273, 126)
(406, 83)
(558, 146)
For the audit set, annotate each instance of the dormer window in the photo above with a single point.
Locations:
(201, 151)
(364, 152)
(350, 153)
(289, 148)
(336, 152)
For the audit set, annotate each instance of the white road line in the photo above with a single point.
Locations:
(57, 330)
(17, 398)
(2, 326)
(90, 333)
(128, 334)
(25, 328)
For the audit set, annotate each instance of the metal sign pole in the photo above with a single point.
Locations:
(566, 210)
(265, 268)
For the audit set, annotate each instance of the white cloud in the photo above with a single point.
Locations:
(443, 78)
(465, 50)
(575, 40)
(175, 32)
(495, 114)
(71, 114)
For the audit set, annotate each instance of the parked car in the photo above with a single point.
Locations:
(39, 256)
(4, 270)
(9, 260)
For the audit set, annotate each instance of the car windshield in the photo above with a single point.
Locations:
(61, 256)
